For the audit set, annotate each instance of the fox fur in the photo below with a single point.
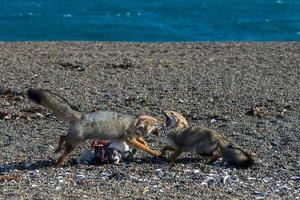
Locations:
(202, 141)
(102, 125)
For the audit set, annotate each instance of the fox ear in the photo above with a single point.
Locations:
(139, 127)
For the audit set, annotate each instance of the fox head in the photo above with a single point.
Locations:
(174, 120)
(146, 125)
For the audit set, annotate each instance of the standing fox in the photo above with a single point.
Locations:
(102, 125)
(201, 140)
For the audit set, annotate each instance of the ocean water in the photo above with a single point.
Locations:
(150, 20)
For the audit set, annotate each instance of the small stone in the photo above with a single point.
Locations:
(8, 117)
(267, 179)
(273, 143)
(57, 188)
(208, 180)
(295, 178)
(104, 175)
(39, 115)
(181, 101)
(260, 193)
(145, 190)
(213, 120)
(224, 178)
(80, 176)
(34, 173)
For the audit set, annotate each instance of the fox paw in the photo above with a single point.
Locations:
(56, 165)
(156, 154)
(161, 156)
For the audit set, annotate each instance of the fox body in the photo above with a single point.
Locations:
(202, 141)
(101, 125)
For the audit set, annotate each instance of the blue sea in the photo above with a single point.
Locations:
(150, 20)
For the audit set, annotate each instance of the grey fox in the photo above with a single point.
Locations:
(102, 125)
(201, 140)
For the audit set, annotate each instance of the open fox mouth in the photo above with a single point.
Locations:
(158, 131)
(168, 120)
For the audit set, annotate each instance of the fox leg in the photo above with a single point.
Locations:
(68, 149)
(211, 159)
(166, 148)
(141, 140)
(134, 143)
(60, 144)
(175, 155)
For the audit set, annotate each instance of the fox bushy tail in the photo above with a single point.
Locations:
(237, 157)
(55, 103)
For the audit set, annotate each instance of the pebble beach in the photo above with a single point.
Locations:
(250, 92)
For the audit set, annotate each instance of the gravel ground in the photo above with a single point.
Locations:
(248, 91)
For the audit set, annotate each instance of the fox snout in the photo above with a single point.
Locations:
(147, 125)
(175, 120)
(158, 131)
(168, 117)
